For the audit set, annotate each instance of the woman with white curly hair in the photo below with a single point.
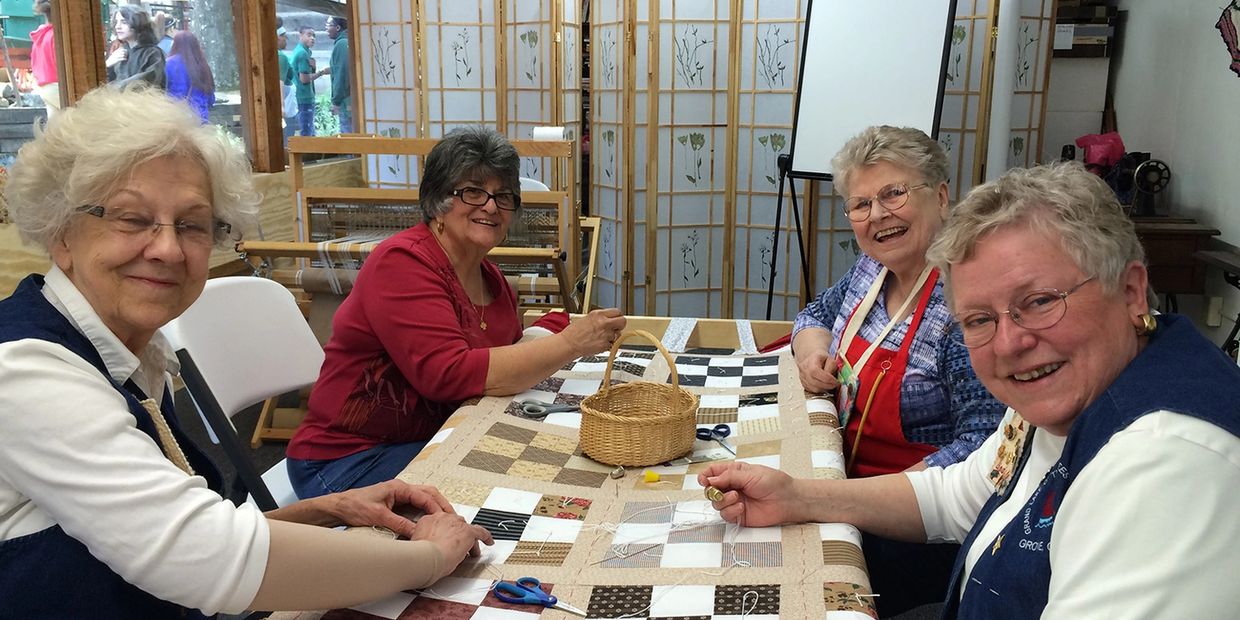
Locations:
(106, 509)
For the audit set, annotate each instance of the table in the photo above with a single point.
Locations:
(1229, 262)
(1169, 244)
(627, 547)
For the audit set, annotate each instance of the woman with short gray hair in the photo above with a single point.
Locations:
(429, 323)
(881, 339)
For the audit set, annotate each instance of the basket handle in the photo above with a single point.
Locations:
(615, 347)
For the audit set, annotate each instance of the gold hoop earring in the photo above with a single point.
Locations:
(1148, 325)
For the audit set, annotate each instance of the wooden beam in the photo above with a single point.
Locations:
(254, 26)
(81, 47)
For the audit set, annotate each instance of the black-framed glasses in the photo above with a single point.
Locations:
(892, 197)
(477, 197)
(201, 231)
(1038, 309)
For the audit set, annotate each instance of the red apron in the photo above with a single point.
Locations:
(883, 448)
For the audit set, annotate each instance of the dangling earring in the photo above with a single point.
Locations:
(439, 226)
(1148, 325)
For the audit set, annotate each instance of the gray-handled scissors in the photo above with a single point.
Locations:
(717, 434)
(538, 409)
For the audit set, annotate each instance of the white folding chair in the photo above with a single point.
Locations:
(242, 341)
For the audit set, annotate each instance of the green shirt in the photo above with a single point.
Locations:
(340, 70)
(286, 69)
(303, 63)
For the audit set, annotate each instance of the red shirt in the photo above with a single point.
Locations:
(43, 55)
(406, 349)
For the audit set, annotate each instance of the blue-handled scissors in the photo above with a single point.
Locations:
(528, 591)
(717, 434)
(538, 409)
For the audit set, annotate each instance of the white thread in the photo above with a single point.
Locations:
(756, 597)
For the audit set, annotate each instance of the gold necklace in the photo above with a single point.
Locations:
(482, 320)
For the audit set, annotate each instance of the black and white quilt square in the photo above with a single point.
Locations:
(685, 601)
(630, 362)
(727, 372)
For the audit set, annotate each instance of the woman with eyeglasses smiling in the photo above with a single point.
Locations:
(1110, 490)
(882, 339)
(107, 510)
(430, 323)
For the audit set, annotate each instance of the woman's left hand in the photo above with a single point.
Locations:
(373, 505)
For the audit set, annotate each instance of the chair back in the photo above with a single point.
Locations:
(248, 339)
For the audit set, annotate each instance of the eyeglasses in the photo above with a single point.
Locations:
(477, 197)
(1039, 309)
(892, 197)
(201, 231)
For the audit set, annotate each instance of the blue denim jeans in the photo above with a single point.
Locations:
(305, 114)
(346, 120)
(312, 478)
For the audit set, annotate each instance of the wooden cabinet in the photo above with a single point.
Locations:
(1170, 243)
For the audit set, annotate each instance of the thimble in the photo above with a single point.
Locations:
(713, 494)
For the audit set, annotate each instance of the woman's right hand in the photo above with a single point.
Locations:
(817, 371)
(117, 56)
(596, 331)
(753, 495)
(455, 538)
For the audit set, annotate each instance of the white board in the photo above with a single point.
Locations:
(867, 62)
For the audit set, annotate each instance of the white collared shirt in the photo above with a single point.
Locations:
(72, 455)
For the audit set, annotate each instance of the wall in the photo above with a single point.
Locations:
(1176, 98)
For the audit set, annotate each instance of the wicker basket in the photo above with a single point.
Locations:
(639, 423)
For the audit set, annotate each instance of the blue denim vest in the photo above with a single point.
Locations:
(49, 574)
(1207, 387)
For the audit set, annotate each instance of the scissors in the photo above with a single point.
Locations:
(538, 409)
(527, 591)
(717, 434)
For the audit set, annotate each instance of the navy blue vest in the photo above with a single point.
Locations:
(49, 574)
(1207, 387)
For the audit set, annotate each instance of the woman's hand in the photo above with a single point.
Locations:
(373, 505)
(595, 332)
(455, 538)
(753, 495)
(117, 56)
(817, 370)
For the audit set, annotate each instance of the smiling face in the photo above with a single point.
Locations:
(138, 282)
(1048, 375)
(897, 239)
(473, 231)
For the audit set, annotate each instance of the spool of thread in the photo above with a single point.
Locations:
(548, 133)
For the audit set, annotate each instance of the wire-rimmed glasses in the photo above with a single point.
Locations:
(892, 197)
(202, 231)
(1038, 309)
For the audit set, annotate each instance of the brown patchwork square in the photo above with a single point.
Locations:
(560, 507)
(464, 492)
(842, 596)
(520, 435)
(500, 446)
(580, 478)
(557, 443)
(761, 448)
(546, 457)
(619, 601)
(636, 370)
(824, 419)
(674, 482)
(759, 426)
(763, 554)
(541, 553)
(716, 415)
(426, 607)
(841, 552)
(534, 471)
(647, 512)
(486, 461)
(747, 600)
(705, 534)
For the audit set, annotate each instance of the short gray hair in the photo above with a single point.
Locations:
(1061, 198)
(464, 152)
(90, 150)
(902, 146)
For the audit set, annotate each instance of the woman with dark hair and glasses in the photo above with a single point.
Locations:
(189, 76)
(1110, 491)
(883, 340)
(138, 58)
(430, 323)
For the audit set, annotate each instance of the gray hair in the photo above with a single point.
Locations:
(465, 152)
(902, 146)
(90, 150)
(1062, 198)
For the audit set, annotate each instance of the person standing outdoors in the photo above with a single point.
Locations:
(304, 66)
(286, 78)
(342, 94)
(43, 59)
